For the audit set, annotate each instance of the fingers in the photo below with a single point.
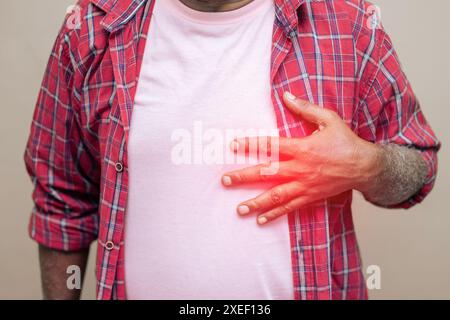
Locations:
(308, 111)
(282, 210)
(271, 199)
(270, 147)
(274, 171)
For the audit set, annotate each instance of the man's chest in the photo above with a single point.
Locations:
(319, 68)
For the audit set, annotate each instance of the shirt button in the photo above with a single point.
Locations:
(109, 245)
(119, 167)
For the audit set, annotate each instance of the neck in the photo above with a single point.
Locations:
(215, 5)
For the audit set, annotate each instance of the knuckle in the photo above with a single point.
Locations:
(286, 208)
(280, 211)
(302, 148)
(276, 196)
(271, 215)
(244, 176)
(331, 114)
(303, 103)
(238, 177)
(253, 205)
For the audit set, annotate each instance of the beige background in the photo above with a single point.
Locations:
(411, 247)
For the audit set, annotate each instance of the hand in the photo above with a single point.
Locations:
(329, 162)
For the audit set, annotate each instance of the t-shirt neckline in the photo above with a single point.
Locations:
(179, 9)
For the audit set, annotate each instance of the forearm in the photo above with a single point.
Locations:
(54, 275)
(400, 172)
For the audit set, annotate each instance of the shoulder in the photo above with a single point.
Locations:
(358, 20)
(358, 17)
(82, 22)
(82, 34)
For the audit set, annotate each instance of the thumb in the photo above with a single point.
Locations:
(308, 111)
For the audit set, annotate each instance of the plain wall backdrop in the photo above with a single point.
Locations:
(411, 247)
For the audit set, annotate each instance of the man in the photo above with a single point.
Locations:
(123, 147)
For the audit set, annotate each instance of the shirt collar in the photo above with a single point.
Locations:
(119, 12)
(286, 12)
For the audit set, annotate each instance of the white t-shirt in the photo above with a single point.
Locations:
(205, 79)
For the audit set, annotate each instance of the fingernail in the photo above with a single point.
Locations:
(262, 220)
(243, 209)
(226, 180)
(289, 96)
(234, 145)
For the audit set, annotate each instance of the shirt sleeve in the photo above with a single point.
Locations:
(389, 112)
(64, 173)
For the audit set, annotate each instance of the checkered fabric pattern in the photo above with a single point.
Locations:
(329, 52)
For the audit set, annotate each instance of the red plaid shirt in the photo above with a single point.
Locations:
(324, 51)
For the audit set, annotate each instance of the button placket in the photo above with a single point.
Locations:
(119, 167)
(109, 245)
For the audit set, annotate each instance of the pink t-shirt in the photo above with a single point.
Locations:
(205, 79)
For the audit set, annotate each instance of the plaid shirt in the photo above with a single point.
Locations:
(323, 50)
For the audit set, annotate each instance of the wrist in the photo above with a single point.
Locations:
(371, 167)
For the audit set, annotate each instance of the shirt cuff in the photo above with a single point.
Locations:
(61, 233)
(430, 157)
